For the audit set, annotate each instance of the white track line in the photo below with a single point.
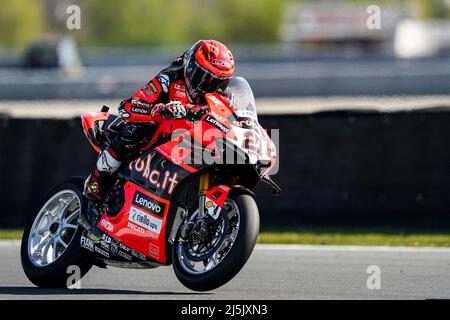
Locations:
(9, 243)
(307, 247)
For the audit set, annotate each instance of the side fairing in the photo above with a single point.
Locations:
(143, 222)
(156, 173)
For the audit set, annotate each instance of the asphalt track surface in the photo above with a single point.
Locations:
(273, 272)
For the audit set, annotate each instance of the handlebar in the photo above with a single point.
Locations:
(196, 113)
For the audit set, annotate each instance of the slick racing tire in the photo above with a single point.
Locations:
(50, 243)
(222, 264)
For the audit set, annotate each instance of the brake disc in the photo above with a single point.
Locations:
(189, 252)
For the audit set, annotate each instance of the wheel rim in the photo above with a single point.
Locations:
(54, 228)
(221, 243)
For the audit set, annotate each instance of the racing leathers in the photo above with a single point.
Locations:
(163, 97)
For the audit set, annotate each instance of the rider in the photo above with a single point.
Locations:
(207, 67)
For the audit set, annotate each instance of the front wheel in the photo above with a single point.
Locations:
(206, 263)
(50, 243)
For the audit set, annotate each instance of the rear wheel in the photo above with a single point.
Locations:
(206, 263)
(50, 243)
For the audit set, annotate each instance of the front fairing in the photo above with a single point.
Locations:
(190, 146)
(251, 138)
(248, 134)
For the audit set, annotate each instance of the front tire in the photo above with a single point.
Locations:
(50, 243)
(235, 258)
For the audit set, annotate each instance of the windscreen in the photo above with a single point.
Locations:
(244, 99)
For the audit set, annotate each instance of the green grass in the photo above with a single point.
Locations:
(335, 236)
(356, 236)
(10, 234)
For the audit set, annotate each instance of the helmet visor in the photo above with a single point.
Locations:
(202, 81)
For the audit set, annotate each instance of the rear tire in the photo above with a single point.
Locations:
(55, 273)
(236, 257)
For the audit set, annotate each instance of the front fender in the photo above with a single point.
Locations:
(216, 196)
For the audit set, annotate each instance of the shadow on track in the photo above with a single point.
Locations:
(48, 291)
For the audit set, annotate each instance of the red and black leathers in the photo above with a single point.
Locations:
(149, 105)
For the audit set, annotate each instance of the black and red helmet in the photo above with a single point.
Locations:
(208, 66)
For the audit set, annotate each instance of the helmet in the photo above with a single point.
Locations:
(208, 66)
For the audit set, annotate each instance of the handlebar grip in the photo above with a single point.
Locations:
(196, 114)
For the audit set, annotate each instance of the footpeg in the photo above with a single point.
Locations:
(92, 232)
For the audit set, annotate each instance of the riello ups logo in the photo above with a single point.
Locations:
(151, 205)
(143, 222)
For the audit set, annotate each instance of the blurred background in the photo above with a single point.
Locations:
(359, 90)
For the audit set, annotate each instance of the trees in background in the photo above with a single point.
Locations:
(161, 22)
(144, 22)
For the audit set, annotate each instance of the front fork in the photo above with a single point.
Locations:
(211, 201)
(203, 188)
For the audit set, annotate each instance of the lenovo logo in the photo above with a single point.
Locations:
(149, 204)
(140, 110)
(217, 124)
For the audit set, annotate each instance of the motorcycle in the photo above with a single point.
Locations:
(184, 199)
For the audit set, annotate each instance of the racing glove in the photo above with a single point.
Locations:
(172, 110)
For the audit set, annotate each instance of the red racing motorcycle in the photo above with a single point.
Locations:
(184, 200)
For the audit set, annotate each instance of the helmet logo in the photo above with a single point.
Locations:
(212, 49)
(221, 63)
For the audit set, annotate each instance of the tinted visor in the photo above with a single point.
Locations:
(201, 80)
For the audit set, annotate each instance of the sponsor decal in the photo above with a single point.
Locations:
(180, 94)
(216, 123)
(179, 87)
(124, 248)
(87, 244)
(125, 256)
(107, 225)
(93, 187)
(106, 240)
(212, 209)
(153, 87)
(136, 228)
(138, 255)
(148, 90)
(140, 110)
(216, 194)
(164, 180)
(145, 220)
(114, 247)
(102, 252)
(104, 245)
(153, 251)
(141, 230)
(246, 123)
(242, 113)
(179, 91)
(123, 113)
(163, 80)
(224, 188)
(149, 204)
(216, 100)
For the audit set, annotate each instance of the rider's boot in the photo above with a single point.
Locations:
(96, 188)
